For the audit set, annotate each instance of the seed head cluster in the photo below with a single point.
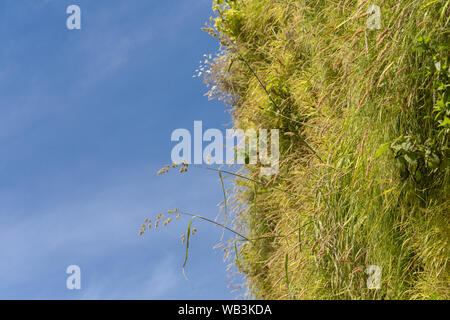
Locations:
(147, 225)
(159, 218)
(183, 167)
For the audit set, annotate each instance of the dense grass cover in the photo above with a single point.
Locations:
(364, 125)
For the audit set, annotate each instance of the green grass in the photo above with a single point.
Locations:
(373, 105)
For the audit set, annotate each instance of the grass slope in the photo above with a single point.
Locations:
(373, 105)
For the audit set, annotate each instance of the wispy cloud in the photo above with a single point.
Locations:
(160, 278)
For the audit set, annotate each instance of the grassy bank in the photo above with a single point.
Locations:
(364, 124)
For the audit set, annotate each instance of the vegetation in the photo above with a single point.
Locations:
(364, 121)
(364, 141)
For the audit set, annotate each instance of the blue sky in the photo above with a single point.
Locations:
(85, 123)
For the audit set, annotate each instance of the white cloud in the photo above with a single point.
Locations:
(160, 278)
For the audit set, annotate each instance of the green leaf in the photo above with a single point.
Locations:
(433, 161)
(188, 234)
(382, 149)
(445, 122)
(224, 201)
(286, 261)
(411, 158)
